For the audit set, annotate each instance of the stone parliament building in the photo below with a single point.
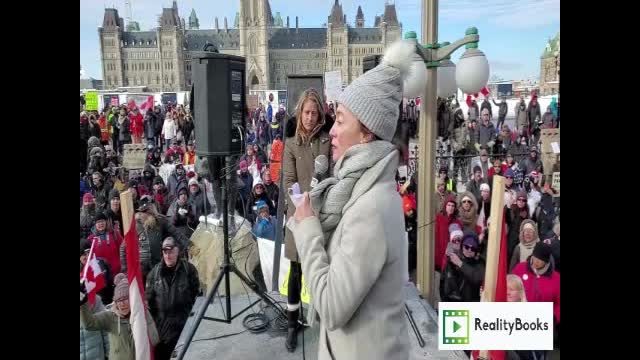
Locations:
(161, 59)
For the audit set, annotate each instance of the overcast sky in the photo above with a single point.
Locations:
(513, 33)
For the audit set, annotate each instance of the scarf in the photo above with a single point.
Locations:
(354, 174)
(330, 197)
(526, 249)
(542, 271)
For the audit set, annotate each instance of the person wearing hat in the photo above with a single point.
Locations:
(510, 189)
(152, 229)
(199, 200)
(169, 130)
(443, 174)
(107, 241)
(114, 213)
(115, 320)
(189, 157)
(541, 280)
(464, 273)
(528, 238)
(534, 114)
(445, 218)
(532, 163)
(100, 190)
(265, 224)
(259, 193)
(468, 212)
(341, 230)
(161, 195)
(171, 290)
(183, 213)
(148, 173)
(441, 194)
(174, 154)
(514, 217)
(473, 186)
(411, 227)
(177, 179)
(484, 206)
(87, 214)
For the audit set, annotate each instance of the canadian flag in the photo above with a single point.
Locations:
(147, 105)
(470, 97)
(92, 276)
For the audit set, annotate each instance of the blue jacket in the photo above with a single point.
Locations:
(265, 228)
(269, 112)
(94, 345)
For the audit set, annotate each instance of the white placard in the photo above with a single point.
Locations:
(556, 147)
(495, 326)
(332, 84)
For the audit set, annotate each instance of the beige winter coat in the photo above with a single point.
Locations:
(356, 281)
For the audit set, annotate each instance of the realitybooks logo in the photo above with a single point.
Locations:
(495, 326)
(456, 327)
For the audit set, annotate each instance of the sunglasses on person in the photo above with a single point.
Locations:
(455, 241)
(466, 201)
(470, 248)
(521, 199)
(509, 177)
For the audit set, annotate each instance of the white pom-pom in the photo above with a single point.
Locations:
(416, 81)
(400, 55)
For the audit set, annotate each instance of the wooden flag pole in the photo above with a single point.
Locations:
(126, 206)
(493, 245)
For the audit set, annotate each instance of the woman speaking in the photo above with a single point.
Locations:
(349, 230)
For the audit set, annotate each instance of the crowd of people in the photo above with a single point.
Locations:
(169, 209)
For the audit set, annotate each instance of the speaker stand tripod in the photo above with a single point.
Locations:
(225, 271)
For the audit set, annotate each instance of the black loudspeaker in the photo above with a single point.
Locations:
(218, 103)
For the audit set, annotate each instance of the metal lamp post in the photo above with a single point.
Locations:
(471, 75)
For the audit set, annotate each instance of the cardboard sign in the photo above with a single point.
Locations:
(91, 98)
(134, 156)
(252, 102)
(555, 181)
(333, 84)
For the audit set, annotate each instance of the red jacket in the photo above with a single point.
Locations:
(137, 125)
(105, 128)
(107, 247)
(545, 288)
(442, 239)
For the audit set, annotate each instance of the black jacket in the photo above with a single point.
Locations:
(463, 283)
(171, 294)
(197, 200)
(503, 108)
(513, 221)
(273, 192)
(250, 213)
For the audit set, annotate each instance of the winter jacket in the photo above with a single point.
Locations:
(189, 158)
(94, 129)
(174, 183)
(245, 190)
(521, 115)
(265, 228)
(544, 215)
(101, 196)
(187, 128)
(263, 131)
(276, 129)
(442, 237)
(273, 192)
(171, 294)
(474, 188)
(149, 125)
(121, 345)
(521, 252)
(137, 125)
(84, 129)
(148, 181)
(462, 284)
(173, 155)
(528, 165)
(125, 130)
(87, 220)
(198, 201)
(543, 288)
(548, 120)
(186, 223)
(486, 105)
(533, 113)
(115, 220)
(514, 220)
(158, 122)
(94, 345)
(298, 167)
(150, 243)
(250, 213)
(107, 246)
(503, 108)
(169, 129)
(486, 134)
(365, 303)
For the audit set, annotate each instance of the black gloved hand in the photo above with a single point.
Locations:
(83, 294)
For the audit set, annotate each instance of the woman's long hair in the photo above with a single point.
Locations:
(301, 133)
(514, 279)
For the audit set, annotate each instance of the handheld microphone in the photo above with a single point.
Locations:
(321, 167)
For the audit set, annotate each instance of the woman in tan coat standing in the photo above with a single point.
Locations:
(309, 141)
